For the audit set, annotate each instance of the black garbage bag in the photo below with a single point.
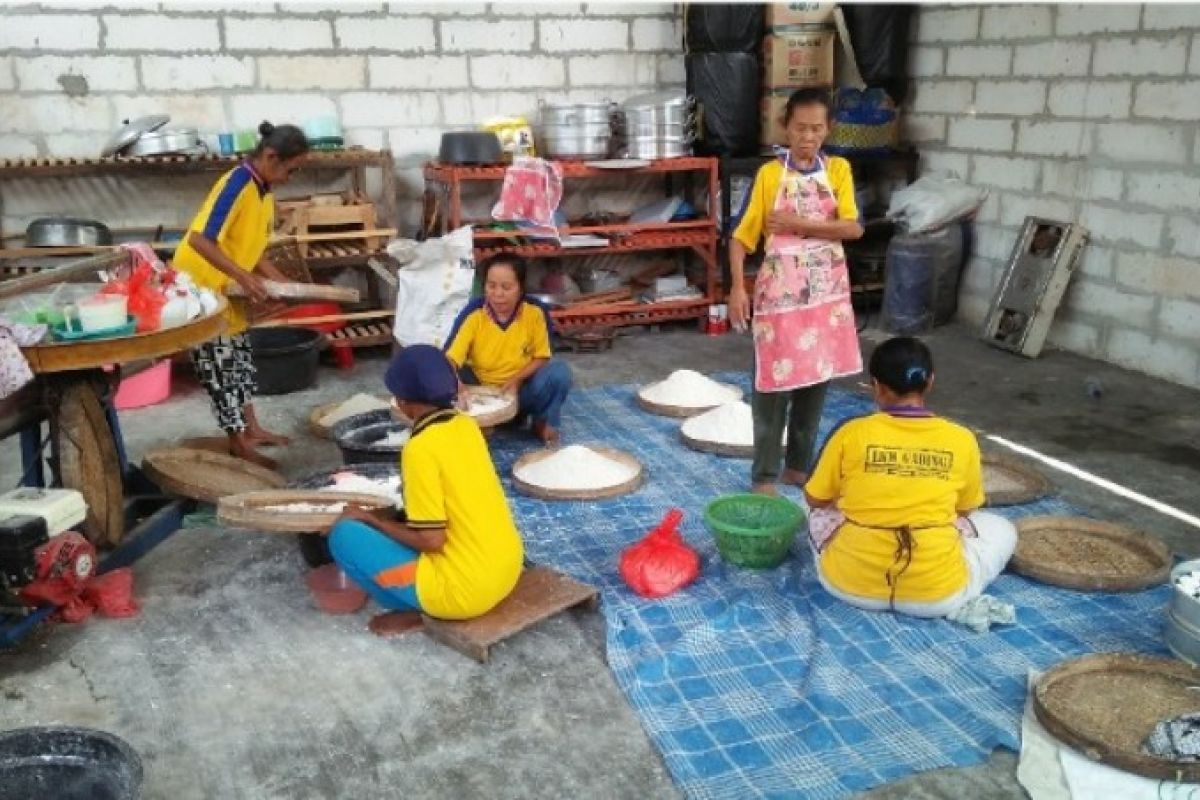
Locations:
(723, 27)
(879, 36)
(726, 89)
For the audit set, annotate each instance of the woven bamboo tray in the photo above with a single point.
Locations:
(494, 418)
(682, 412)
(1104, 706)
(279, 290)
(1015, 482)
(717, 448)
(206, 476)
(253, 510)
(315, 425)
(543, 493)
(1079, 553)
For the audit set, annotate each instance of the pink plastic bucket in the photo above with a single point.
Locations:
(146, 388)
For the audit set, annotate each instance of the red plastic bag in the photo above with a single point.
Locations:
(146, 298)
(662, 562)
(112, 593)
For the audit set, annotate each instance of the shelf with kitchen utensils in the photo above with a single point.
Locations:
(354, 160)
(444, 211)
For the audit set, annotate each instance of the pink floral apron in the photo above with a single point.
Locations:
(804, 331)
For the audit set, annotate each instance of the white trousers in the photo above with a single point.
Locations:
(986, 555)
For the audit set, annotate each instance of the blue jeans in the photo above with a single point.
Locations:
(542, 395)
(381, 566)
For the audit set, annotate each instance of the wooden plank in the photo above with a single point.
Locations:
(540, 594)
(57, 275)
(276, 323)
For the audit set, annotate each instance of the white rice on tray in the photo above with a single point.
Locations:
(689, 389)
(576, 468)
(729, 424)
(349, 481)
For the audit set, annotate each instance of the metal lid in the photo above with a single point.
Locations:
(656, 100)
(130, 132)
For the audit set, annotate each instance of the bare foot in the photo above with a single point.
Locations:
(546, 433)
(242, 447)
(767, 489)
(794, 477)
(395, 623)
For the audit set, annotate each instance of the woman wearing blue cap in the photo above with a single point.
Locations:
(458, 553)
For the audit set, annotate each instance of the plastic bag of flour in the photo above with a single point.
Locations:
(930, 203)
(433, 288)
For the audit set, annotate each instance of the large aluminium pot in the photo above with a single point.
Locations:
(575, 114)
(581, 130)
(67, 232)
(165, 143)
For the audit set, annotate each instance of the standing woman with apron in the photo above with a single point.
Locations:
(225, 244)
(804, 332)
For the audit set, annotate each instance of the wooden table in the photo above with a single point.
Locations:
(87, 446)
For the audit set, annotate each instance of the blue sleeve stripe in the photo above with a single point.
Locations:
(238, 179)
(469, 309)
(545, 309)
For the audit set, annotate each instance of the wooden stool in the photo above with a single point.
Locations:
(540, 594)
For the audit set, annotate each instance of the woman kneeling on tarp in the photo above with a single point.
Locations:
(895, 498)
(457, 554)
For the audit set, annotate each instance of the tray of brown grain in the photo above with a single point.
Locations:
(1087, 554)
(1104, 706)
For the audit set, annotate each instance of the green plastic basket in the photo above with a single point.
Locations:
(753, 530)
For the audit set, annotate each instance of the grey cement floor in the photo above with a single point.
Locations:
(231, 686)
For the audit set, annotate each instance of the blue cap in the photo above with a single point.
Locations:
(422, 374)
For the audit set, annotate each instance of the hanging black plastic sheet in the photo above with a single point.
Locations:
(723, 27)
(726, 88)
(879, 35)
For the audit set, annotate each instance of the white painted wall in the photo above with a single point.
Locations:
(1086, 113)
(397, 74)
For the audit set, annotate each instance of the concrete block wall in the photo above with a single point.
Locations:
(397, 75)
(1085, 113)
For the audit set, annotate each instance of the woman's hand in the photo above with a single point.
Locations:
(786, 222)
(739, 307)
(358, 514)
(512, 387)
(254, 287)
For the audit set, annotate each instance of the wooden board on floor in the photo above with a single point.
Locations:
(540, 594)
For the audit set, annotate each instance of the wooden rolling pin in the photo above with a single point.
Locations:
(300, 291)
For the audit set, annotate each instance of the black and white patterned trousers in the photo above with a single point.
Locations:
(225, 367)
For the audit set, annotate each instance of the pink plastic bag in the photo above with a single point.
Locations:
(662, 562)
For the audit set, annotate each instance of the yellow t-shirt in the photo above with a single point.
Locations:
(761, 200)
(887, 471)
(239, 215)
(494, 352)
(449, 481)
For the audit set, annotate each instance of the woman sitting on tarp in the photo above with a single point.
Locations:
(457, 553)
(895, 498)
(503, 340)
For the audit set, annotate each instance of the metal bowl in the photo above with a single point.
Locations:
(1182, 631)
(67, 232)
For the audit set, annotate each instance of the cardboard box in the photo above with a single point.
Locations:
(770, 115)
(798, 58)
(780, 14)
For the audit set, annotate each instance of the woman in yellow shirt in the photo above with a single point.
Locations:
(804, 333)
(503, 339)
(225, 244)
(895, 500)
(457, 553)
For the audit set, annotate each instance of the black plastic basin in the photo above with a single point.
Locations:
(286, 358)
(67, 764)
(358, 438)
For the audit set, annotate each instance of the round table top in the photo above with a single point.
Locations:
(96, 353)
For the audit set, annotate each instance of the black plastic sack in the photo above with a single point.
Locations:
(726, 88)
(723, 27)
(879, 36)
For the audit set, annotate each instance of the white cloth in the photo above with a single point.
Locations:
(986, 555)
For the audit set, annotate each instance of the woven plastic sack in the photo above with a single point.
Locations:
(662, 562)
(432, 289)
